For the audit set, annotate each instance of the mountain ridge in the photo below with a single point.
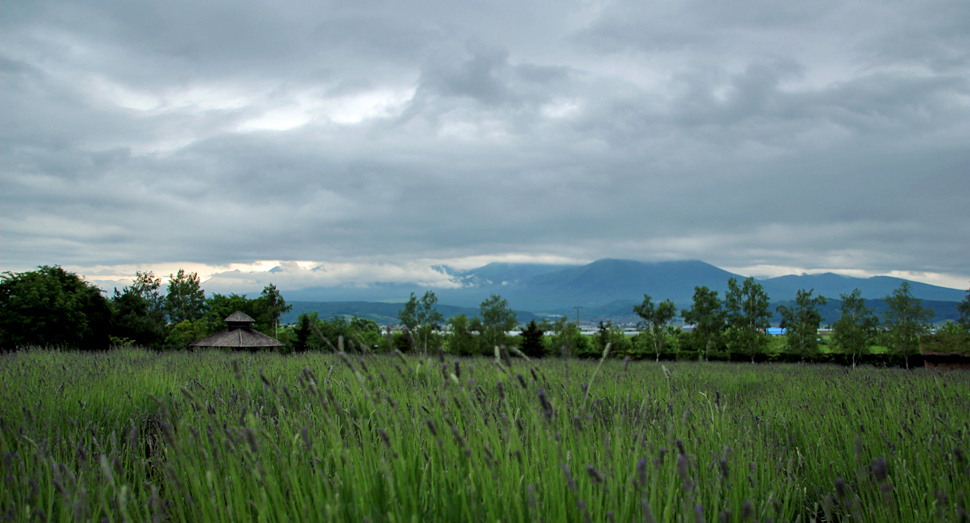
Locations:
(543, 288)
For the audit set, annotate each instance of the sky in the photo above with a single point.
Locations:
(373, 140)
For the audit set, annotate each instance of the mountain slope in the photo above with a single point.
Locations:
(833, 285)
(554, 288)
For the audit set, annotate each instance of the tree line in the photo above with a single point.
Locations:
(53, 307)
(738, 324)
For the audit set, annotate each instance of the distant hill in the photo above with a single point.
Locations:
(606, 281)
(833, 285)
(606, 287)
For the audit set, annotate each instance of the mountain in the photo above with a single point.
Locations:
(508, 273)
(607, 287)
(608, 280)
(833, 285)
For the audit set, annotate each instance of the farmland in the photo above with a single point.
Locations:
(136, 435)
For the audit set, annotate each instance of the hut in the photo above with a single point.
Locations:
(239, 335)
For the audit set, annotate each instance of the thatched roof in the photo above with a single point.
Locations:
(239, 335)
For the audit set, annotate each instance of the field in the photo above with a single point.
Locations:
(133, 435)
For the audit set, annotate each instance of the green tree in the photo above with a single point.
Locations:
(567, 340)
(219, 306)
(603, 335)
(497, 319)
(857, 326)
(532, 340)
(274, 306)
(51, 306)
(304, 332)
(421, 317)
(460, 340)
(657, 319)
(183, 333)
(801, 323)
(707, 316)
(748, 317)
(964, 308)
(185, 299)
(138, 312)
(905, 320)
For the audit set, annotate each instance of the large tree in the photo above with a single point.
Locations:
(856, 328)
(905, 320)
(532, 336)
(497, 319)
(421, 317)
(139, 311)
(801, 323)
(657, 319)
(707, 316)
(186, 298)
(52, 307)
(273, 306)
(748, 318)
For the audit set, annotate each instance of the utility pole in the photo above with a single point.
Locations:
(577, 315)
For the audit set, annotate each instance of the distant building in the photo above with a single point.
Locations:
(239, 335)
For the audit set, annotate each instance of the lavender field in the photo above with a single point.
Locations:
(133, 435)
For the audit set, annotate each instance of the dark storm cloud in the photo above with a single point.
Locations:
(822, 135)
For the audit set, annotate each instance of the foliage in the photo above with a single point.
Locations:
(746, 309)
(708, 318)
(906, 320)
(273, 306)
(855, 330)
(52, 307)
(461, 341)
(497, 319)
(302, 335)
(421, 317)
(218, 307)
(138, 312)
(950, 328)
(310, 333)
(801, 323)
(657, 319)
(951, 338)
(185, 332)
(567, 340)
(532, 340)
(133, 435)
(186, 298)
(367, 333)
(607, 334)
(964, 308)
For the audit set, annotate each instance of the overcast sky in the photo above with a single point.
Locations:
(376, 138)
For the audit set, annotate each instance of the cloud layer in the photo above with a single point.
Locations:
(831, 135)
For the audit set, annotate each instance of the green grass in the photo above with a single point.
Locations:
(133, 435)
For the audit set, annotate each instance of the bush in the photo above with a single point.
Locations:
(52, 307)
(945, 342)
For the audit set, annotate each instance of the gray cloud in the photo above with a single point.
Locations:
(829, 135)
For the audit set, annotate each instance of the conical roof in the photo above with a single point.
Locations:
(239, 317)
